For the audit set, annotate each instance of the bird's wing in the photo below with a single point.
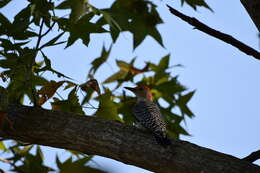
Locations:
(149, 115)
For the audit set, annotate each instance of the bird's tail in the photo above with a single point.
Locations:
(162, 140)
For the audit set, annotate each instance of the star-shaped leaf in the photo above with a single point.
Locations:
(140, 17)
(81, 29)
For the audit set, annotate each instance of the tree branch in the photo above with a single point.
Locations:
(217, 34)
(253, 156)
(50, 28)
(115, 140)
(253, 8)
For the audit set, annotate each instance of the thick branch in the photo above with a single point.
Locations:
(217, 34)
(115, 140)
(253, 156)
(253, 9)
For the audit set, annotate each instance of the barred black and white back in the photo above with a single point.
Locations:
(149, 115)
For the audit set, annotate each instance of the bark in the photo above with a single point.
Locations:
(253, 9)
(115, 140)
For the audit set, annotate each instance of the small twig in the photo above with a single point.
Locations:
(60, 96)
(5, 160)
(93, 107)
(39, 35)
(50, 28)
(33, 90)
(253, 156)
(217, 34)
(87, 107)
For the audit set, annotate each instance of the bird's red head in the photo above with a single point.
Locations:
(142, 92)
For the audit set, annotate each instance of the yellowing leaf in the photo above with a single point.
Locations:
(2, 145)
(54, 106)
(48, 91)
(93, 84)
(117, 76)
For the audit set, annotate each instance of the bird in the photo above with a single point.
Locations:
(148, 114)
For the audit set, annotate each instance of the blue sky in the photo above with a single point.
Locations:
(226, 102)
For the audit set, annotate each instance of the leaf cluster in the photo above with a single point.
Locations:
(24, 60)
(30, 159)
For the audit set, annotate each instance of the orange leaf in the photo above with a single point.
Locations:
(48, 91)
(135, 71)
(92, 83)
(42, 99)
(55, 106)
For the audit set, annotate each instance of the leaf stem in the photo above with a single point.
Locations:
(39, 36)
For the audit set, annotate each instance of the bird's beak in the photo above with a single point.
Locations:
(130, 89)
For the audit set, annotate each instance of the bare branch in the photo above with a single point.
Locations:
(115, 140)
(217, 34)
(253, 156)
(50, 28)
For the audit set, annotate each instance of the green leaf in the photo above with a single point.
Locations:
(107, 107)
(123, 65)
(169, 116)
(4, 21)
(78, 166)
(89, 92)
(125, 108)
(78, 8)
(2, 146)
(174, 130)
(17, 30)
(73, 99)
(64, 5)
(184, 99)
(4, 3)
(117, 76)
(39, 154)
(170, 86)
(163, 64)
(114, 26)
(82, 30)
(186, 110)
(71, 104)
(139, 17)
(40, 9)
(182, 103)
(33, 163)
(58, 162)
(22, 20)
(39, 81)
(96, 63)
(195, 3)
(8, 45)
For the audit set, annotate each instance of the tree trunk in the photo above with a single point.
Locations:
(115, 140)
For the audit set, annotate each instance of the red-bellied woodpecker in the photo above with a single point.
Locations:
(148, 114)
